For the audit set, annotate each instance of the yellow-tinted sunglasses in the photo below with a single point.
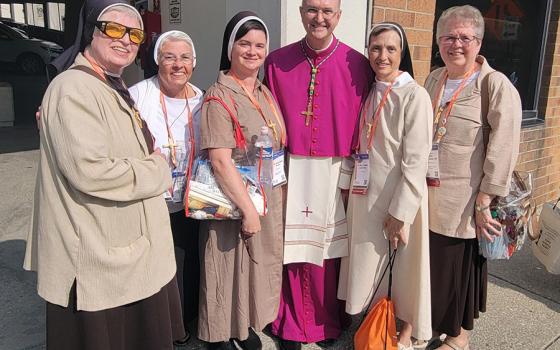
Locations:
(117, 31)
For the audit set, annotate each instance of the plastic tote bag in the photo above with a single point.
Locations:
(204, 199)
(378, 330)
(547, 247)
(514, 212)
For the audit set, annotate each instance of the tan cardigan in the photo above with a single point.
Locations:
(466, 167)
(99, 216)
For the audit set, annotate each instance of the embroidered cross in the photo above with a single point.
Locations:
(307, 211)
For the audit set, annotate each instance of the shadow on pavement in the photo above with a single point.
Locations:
(525, 272)
(22, 325)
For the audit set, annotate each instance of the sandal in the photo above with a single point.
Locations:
(419, 344)
(454, 346)
(404, 347)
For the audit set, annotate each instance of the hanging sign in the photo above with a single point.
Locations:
(175, 11)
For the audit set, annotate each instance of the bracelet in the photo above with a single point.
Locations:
(478, 208)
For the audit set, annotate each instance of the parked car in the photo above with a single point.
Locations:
(30, 54)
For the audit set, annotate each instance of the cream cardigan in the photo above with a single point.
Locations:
(99, 217)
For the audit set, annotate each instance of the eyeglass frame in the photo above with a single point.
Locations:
(459, 38)
(102, 26)
(319, 10)
(172, 59)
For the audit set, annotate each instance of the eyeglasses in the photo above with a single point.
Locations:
(466, 40)
(328, 13)
(170, 59)
(117, 31)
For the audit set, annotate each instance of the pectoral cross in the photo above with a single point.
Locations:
(137, 118)
(308, 114)
(272, 126)
(171, 145)
(368, 132)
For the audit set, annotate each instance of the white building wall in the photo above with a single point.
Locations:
(205, 21)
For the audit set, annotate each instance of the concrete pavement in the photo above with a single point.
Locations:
(523, 301)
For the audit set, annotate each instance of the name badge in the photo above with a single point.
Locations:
(278, 172)
(432, 177)
(361, 173)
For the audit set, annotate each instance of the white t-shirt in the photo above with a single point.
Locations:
(146, 94)
(451, 85)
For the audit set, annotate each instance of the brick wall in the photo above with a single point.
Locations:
(539, 151)
(417, 18)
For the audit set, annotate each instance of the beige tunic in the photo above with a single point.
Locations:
(99, 215)
(466, 167)
(397, 186)
(236, 293)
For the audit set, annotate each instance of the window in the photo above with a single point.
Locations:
(38, 15)
(29, 14)
(514, 43)
(55, 14)
(19, 13)
(34, 14)
(5, 11)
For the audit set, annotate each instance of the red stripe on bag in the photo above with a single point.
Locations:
(239, 138)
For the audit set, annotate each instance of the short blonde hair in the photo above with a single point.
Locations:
(462, 14)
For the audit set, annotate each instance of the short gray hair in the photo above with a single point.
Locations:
(462, 14)
(175, 36)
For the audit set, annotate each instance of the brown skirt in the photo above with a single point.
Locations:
(459, 278)
(151, 324)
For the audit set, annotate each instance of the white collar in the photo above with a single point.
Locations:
(401, 80)
(320, 50)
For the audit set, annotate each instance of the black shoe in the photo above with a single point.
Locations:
(221, 345)
(183, 341)
(327, 343)
(289, 345)
(253, 342)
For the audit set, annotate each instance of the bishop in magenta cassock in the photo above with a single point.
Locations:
(319, 83)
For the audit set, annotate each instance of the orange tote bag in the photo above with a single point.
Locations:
(378, 330)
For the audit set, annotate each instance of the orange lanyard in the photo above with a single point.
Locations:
(373, 125)
(170, 139)
(440, 131)
(258, 107)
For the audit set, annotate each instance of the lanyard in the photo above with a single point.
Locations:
(440, 131)
(170, 139)
(373, 125)
(258, 107)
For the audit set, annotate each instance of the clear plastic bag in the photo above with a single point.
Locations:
(514, 212)
(206, 201)
(496, 249)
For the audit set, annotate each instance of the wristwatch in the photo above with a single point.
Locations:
(480, 208)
